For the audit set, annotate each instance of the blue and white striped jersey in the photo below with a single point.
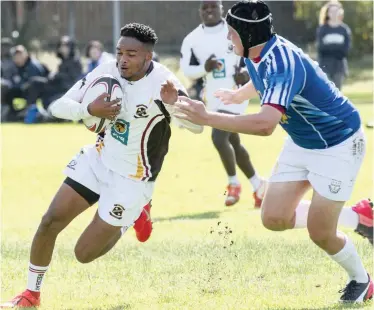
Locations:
(317, 115)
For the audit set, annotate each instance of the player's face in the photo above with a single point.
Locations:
(233, 36)
(133, 58)
(94, 53)
(211, 12)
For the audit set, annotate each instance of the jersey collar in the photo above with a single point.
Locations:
(267, 48)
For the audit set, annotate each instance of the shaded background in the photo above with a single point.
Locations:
(40, 23)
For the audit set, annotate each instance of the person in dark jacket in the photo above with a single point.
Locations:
(8, 69)
(49, 89)
(333, 42)
(19, 80)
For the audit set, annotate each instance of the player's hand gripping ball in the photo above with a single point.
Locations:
(102, 99)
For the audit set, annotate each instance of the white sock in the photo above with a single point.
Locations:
(301, 216)
(347, 217)
(255, 182)
(348, 258)
(234, 180)
(35, 278)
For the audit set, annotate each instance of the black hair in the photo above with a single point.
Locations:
(142, 33)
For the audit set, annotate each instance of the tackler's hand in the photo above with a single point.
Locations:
(191, 110)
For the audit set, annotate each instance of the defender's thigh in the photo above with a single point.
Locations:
(281, 200)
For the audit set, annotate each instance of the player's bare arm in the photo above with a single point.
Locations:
(262, 123)
(237, 96)
(169, 93)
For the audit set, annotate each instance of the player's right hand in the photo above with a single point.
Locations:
(227, 96)
(102, 108)
(211, 63)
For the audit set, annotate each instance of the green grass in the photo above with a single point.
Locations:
(184, 265)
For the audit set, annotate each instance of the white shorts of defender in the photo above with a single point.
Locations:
(121, 199)
(331, 172)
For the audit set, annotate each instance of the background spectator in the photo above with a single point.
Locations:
(333, 42)
(49, 89)
(96, 55)
(26, 69)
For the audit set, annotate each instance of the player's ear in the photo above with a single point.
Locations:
(149, 55)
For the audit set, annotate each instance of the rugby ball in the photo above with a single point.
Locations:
(105, 83)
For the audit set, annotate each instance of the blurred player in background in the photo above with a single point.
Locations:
(206, 52)
(325, 148)
(120, 172)
(333, 42)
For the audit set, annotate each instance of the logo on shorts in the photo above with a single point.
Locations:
(141, 111)
(335, 186)
(358, 146)
(117, 211)
(72, 164)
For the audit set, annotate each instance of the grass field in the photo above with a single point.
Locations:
(192, 261)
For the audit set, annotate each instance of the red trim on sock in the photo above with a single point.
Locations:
(38, 272)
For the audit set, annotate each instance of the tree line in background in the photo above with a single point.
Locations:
(21, 16)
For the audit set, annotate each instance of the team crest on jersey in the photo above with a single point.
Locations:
(284, 119)
(117, 211)
(220, 72)
(141, 111)
(120, 131)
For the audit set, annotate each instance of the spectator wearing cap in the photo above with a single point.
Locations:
(333, 42)
(26, 70)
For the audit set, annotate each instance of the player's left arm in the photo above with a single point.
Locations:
(262, 123)
(282, 85)
(170, 90)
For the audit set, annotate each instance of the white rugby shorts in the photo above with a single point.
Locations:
(121, 199)
(331, 172)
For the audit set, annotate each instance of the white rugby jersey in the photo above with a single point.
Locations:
(196, 48)
(135, 144)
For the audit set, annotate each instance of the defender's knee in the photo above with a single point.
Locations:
(321, 237)
(275, 222)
